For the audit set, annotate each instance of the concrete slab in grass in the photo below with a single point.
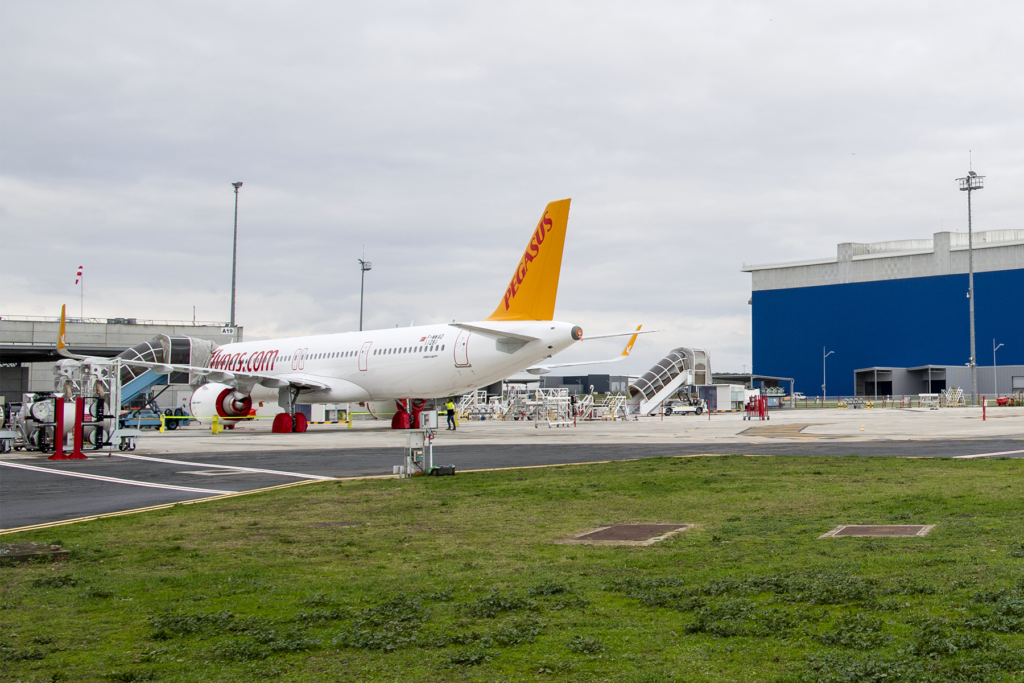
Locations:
(880, 530)
(626, 534)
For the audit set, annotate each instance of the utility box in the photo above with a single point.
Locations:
(722, 397)
(428, 419)
(415, 462)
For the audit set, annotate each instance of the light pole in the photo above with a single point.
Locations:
(363, 267)
(234, 254)
(823, 357)
(995, 368)
(969, 183)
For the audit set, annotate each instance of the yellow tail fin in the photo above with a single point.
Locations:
(632, 340)
(531, 292)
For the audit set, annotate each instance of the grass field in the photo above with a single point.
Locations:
(456, 578)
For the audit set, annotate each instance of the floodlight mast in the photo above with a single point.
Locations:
(995, 367)
(824, 355)
(363, 267)
(234, 255)
(969, 183)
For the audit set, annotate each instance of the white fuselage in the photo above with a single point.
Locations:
(427, 361)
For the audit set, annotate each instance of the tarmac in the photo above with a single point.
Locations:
(192, 464)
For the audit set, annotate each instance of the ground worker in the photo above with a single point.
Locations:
(450, 405)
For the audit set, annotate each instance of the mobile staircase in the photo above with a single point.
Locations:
(177, 349)
(613, 407)
(681, 367)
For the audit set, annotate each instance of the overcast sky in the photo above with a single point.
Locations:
(692, 138)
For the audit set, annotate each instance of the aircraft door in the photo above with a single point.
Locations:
(462, 349)
(364, 356)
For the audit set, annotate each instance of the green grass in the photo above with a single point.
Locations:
(456, 578)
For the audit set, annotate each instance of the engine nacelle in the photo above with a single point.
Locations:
(219, 399)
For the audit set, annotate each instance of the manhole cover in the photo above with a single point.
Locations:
(627, 534)
(879, 530)
(338, 524)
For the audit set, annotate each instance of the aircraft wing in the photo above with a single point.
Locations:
(229, 376)
(544, 369)
(302, 381)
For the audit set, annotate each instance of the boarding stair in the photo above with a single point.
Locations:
(585, 407)
(681, 367)
(953, 397)
(613, 407)
(171, 349)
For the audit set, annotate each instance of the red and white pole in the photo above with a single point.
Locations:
(77, 453)
(58, 431)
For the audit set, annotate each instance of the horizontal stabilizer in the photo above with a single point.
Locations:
(494, 332)
(609, 335)
(544, 369)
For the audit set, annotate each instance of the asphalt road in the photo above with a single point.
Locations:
(34, 497)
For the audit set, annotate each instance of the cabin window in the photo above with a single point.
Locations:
(442, 347)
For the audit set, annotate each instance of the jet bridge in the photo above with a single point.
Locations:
(682, 368)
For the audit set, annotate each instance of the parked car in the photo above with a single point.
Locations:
(799, 396)
(684, 408)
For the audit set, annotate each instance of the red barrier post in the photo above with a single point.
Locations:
(58, 431)
(984, 405)
(77, 453)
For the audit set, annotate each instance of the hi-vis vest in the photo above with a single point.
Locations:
(449, 405)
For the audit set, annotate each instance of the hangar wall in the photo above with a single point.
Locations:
(894, 304)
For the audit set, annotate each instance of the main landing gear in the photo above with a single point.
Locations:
(286, 424)
(291, 421)
(403, 419)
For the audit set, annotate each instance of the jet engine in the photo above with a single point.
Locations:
(219, 399)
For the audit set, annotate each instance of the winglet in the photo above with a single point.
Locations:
(531, 293)
(629, 346)
(62, 345)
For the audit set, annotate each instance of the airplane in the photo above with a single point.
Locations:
(408, 364)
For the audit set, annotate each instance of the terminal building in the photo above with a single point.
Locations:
(896, 315)
(28, 348)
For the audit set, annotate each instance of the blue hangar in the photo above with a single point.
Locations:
(896, 314)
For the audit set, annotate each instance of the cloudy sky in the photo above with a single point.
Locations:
(692, 138)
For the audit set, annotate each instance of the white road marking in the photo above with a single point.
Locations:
(986, 455)
(114, 480)
(222, 467)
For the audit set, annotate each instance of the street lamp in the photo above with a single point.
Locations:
(823, 357)
(234, 254)
(363, 267)
(969, 183)
(995, 368)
